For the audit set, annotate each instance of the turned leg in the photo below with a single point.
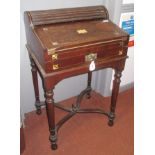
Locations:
(115, 91)
(35, 84)
(89, 84)
(51, 118)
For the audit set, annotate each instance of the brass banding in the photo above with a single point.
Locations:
(51, 50)
(82, 31)
(120, 52)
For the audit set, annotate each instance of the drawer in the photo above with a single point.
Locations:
(77, 57)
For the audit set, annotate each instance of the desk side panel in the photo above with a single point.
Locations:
(33, 41)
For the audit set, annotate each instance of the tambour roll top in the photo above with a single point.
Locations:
(68, 15)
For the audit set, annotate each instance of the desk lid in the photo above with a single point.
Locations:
(59, 37)
(63, 29)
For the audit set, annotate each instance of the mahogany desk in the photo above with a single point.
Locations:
(67, 42)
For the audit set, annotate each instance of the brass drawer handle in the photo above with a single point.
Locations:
(91, 57)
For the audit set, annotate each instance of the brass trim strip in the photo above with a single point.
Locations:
(45, 75)
(53, 50)
(82, 31)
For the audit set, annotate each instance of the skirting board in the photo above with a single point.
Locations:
(126, 87)
(121, 89)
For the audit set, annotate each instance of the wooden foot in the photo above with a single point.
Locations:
(89, 95)
(53, 139)
(54, 146)
(111, 119)
(38, 108)
(111, 123)
(38, 111)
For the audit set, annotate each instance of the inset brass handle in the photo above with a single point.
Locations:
(54, 56)
(55, 67)
(91, 57)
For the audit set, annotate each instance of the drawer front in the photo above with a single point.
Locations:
(83, 56)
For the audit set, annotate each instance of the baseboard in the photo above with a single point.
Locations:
(22, 140)
(126, 87)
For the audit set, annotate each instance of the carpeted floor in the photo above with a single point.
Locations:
(85, 134)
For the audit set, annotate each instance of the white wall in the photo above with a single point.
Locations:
(52, 4)
(128, 1)
(66, 88)
(128, 73)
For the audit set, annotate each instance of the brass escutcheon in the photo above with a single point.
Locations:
(91, 57)
(55, 67)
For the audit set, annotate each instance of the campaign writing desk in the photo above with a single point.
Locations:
(67, 42)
